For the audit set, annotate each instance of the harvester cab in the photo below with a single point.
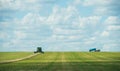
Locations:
(39, 50)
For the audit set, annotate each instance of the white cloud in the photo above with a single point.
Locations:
(92, 20)
(66, 31)
(112, 20)
(101, 11)
(77, 2)
(105, 34)
(31, 28)
(68, 26)
(97, 2)
(104, 7)
(32, 18)
(90, 40)
(64, 27)
(26, 5)
(19, 35)
(112, 23)
(113, 28)
(110, 35)
(109, 47)
(62, 15)
(3, 35)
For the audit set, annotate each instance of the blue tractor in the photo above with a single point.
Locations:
(94, 50)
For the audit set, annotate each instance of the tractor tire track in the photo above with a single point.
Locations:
(20, 59)
(99, 57)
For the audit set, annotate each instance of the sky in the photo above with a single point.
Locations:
(59, 25)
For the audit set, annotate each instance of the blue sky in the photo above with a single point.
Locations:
(59, 25)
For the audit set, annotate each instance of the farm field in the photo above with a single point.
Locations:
(63, 61)
(13, 55)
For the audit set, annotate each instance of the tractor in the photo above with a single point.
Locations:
(94, 50)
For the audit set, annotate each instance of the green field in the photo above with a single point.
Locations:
(62, 61)
(12, 55)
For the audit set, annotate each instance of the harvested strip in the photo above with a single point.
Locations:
(9, 61)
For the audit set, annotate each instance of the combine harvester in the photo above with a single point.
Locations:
(39, 50)
(94, 50)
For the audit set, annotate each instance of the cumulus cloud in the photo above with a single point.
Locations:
(113, 20)
(19, 34)
(105, 33)
(63, 27)
(29, 31)
(114, 47)
(77, 2)
(110, 36)
(104, 7)
(20, 5)
(97, 2)
(3, 35)
(62, 14)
